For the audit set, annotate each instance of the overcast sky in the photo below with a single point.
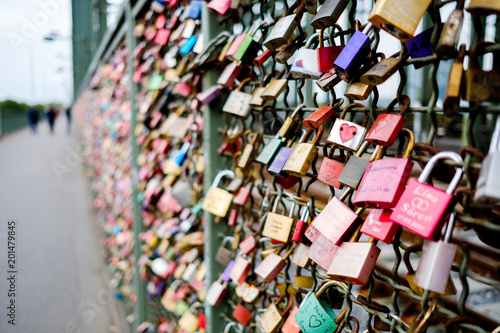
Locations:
(23, 24)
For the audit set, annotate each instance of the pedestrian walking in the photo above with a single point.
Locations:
(33, 119)
(68, 118)
(51, 117)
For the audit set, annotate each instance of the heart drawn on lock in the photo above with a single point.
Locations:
(347, 132)
(379, 125)
(314, 322)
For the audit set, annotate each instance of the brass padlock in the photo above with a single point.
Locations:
(399, 20)
(217, 200)
(484, 7)
(274, 89)
(303, 154)
(384, 69)
(452, 96)
(277, 226)
(271, 320)
(446, 47)
(283, 30)
(482, 86)
(248, 154)
(289, 127)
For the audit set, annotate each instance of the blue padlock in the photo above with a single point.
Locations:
(194, 10)
(420, 46)
(354, 54)
(188, 45)
(180, 155)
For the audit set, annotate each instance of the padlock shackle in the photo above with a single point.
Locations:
(410, 142)
(450, 227)
(305, 215)
(461, 53)
(424, 176)
(222, 174)
(349, 107)
(406, 257)
(336, 26)
(329, 284)
(242, 83)
(337, 103)
(404, 108)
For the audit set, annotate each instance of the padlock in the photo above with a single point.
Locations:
(286, 52)
(303, 281)
(248, 49)
(217, 200)
(422, 206)
(238, 102)
(187, 47)
(354, 261)
(327, 55)
(331, 168)
(486, 193)
(219, 7)
(189, 321)
(303, 154)
(322, 114)
(483, 7)
(273, 89)
(242, 196)
(322, 251)
(194, 10)
(182, 191)
(357, 90)
(385, 179)
(420, 46)
(446, 47)
(315, 315)
(384, 69)
(272, 319)
(290, 325)
(386, 127)
(273, 264)
(247, 245)
(399, 20)
(291, 123)
(379, 225)
(450, 288)
(270, 149)
(435, 263)
(300, 257)
(354, 169)
(335, 220)
(280, 159)
(329, 80)
(452, 95)
(329, 13)
(305, 64)
(190, 271)
(241, 314)
(302, 224)
(283, 30)
(241, 268)
(224, 254)
(216, 292)
(481, 85)
(277, 226)
(248, 154)
(347, 134)
(209, 95)
(262, 58)
(354, 54)
(229, 74)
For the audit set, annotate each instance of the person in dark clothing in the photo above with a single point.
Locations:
(51, 117)
(68, 117)
(33, 119)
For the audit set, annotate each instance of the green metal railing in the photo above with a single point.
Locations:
(12, 122)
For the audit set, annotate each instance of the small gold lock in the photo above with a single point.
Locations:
(358, 91)
(274, 89)
(303, 154)
(217, 200)
(256, 100)
(451, 103)
(272, 319)
(384, 69)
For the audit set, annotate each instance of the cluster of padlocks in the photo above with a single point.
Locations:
(292, 251)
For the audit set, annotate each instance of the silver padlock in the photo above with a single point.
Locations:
(347, 134)
(190, 272)
(224, 254)
(305, 64)
(488, 185)
(182, 191)
(436, 260)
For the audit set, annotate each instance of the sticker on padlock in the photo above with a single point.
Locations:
(347, 134)
(420, 46)
(217, 200)
(385, 179)
(422, 206)
(305, 64)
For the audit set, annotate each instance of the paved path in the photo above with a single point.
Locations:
(61, 281)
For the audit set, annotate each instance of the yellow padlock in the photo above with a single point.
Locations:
(217, 200)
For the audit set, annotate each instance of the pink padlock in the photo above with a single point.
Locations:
(378, 224)
(421, 207)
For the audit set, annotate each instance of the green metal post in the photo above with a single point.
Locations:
(213, 163)
(137, 221)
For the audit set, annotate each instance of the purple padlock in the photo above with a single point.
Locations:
(420, 46)
(207, 96)
(279, 161)
(353, 55)
(225, 275)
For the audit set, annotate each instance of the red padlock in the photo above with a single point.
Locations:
(300, 227)
(241, 314)
(327, 55)
(331, 168)
(261, 58)
(387, 126)
(378, 224)
(272, 265)
(385, 179)
(318, 117)
(242, 196)
(248, 245)
(421, 207)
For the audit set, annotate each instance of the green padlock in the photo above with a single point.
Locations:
(315, 315)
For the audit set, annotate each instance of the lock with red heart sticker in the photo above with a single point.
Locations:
(347, 134)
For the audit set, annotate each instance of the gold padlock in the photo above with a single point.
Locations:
(248, 153)
(384, 69)
(217, 200)
(256, 100)
(451, 103)
(482, 86)
(277, 226)
(397, 18)
(189, 321)
(358, 91)
(272, 319)
(274, 89)
(303, 154)
(289, 125)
